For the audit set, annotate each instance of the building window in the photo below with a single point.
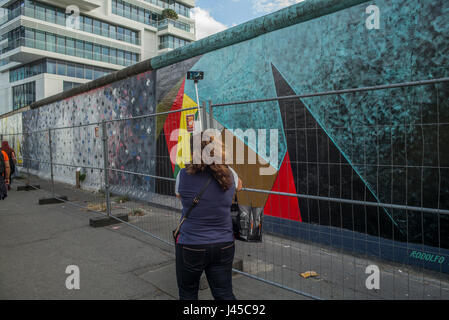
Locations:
(50, 14)
(23, 95)
(87, 25)
(79, 48)
(120, 34)
(58, 16)
(98, 73)
(70, 46)
(135, 13)
(113, 56)
(112, 32)
(67, 85)
(120, 57)
(79, 71)
(71, 70)
(60, 44)
(171, 42)
(50, 42)
(53, 66)
(40, 40)
(61, 18)
(105, 54)
(88, 50)
(40, 11)
(97, 52)
(88, 72)
(105, 29)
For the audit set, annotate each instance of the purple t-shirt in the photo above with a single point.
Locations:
(210, 221)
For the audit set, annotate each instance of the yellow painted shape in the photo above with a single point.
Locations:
(18, 152)
(183, 154)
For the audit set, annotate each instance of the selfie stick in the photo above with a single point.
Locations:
(198, 102)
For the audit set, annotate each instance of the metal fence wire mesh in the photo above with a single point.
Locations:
(351, 186)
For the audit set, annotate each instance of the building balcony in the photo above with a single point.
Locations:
(183, 10)
(165, 24)
(178, 29)
(11, 14)
(83, 5)
(169, 45)
(25, 50)
(3, 19)
(6, 64)
(81, 26)
(189, 3)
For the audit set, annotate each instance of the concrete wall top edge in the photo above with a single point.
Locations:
(295, 14)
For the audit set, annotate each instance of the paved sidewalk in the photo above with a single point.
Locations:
(37, 243)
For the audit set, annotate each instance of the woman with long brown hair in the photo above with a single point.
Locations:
(206, 238)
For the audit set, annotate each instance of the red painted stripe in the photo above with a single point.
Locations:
(173, 121)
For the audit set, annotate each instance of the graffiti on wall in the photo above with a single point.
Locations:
(129, 142)
(382, 146)
(9, 128)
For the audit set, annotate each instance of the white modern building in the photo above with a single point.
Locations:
(48, 46)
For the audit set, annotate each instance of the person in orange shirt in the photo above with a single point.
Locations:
(12, 160)
(7, 168)
(4, 174)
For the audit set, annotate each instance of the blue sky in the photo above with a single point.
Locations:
(228, 12)
(217, 15)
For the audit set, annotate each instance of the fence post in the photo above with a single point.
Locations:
(211, 115)
(28, 158)
(204, 120)
(51, 163)
(106, 171)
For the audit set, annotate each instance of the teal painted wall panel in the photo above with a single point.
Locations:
(379, 132)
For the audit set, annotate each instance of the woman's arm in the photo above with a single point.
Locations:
(7, 172)
(240, 185)
(238, 181)
(177, 187)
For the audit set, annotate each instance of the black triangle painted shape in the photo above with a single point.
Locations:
(163, 167)
(320, 169)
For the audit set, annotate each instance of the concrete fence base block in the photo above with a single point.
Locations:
(59, 199)
(105, 221)
(28, 188)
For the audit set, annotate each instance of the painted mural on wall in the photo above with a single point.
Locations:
(385, 146)
(130, 144)
(9, 128)
(382, 146)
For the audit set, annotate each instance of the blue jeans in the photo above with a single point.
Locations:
(215, 259)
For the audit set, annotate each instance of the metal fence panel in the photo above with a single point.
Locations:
(349, 188)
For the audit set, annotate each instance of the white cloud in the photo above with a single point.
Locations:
(268, 6)
(206, 25)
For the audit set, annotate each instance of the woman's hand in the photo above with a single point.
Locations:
(240, 185)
